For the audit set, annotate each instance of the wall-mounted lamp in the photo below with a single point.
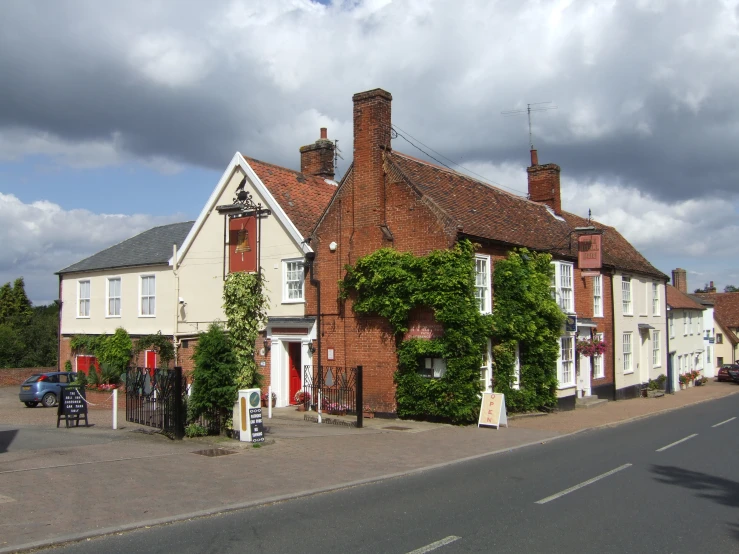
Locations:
(332, 246)
(267, 344)
(311, 348)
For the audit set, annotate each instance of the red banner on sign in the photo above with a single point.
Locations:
(242, 244)
(589, 252)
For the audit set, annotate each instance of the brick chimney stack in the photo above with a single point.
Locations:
(318, 158)
(680, 280)
(544, 183)
(711, 287)
(371, 139)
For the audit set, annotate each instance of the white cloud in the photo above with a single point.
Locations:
(41, 238)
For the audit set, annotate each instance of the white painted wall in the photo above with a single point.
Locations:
(201, 271)
(642, 368)
(130, 319)
(686, 342)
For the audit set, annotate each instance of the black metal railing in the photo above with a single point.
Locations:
(338, 389)
(154, 397)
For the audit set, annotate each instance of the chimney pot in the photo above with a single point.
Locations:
(544, 183)
(534, 158)
(324, 133)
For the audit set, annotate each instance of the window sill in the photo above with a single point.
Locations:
(294, 301)
(600, 315)
(656, 366)
(629, 372)
(112, 317)
(598, 377)
(83, 317)
(150, 316)
(628, 315)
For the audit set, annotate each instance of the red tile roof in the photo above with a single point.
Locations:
(484, 211)
(725, 309)
(680, 300)
(303, 197)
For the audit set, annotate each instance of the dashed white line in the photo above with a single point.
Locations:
(727, 421)
(581, 485)
(677, 442)
(435, 545)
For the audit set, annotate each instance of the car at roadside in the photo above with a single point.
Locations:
(44, 388)
(725, 372)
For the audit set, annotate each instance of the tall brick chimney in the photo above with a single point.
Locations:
(544, 183)
(371, 138)
(680, 280)
(318, 158)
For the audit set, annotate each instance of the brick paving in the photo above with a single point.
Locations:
(130, 479)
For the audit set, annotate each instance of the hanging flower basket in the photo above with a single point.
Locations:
(590, 347)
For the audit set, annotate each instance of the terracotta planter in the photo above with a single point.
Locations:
(301, 407)
(368, 415)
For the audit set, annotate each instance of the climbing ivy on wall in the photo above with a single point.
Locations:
(245, 305)
(113, 351)
(525, 313)
(161, 344)
(390, 284)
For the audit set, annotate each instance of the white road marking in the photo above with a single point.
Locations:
(435, 545)
(581, 485)
(677, 442)
(727, 421)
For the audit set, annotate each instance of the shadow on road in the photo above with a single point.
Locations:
(718, 489)
(6, 438)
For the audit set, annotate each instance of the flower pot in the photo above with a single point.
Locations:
(682, 386)
(301, 407)
(368, 415)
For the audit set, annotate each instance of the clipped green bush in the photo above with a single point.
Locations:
(195, 430)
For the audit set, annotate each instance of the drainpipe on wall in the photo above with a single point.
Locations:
(59, 330)
(670, 388)
(310, 258)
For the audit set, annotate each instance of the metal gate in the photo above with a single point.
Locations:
(340, 389)
(154, 398)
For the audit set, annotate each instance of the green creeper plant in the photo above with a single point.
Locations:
(159, 343)
(245, 305)
(390, 284)
(525, 313)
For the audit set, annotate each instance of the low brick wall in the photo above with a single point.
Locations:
(13, 377)
(103, 400)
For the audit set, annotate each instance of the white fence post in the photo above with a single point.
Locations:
(115, 408)
(269, 402)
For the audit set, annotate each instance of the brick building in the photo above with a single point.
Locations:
(390, 199)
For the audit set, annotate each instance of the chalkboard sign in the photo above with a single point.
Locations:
(256, 424)
(72, 406)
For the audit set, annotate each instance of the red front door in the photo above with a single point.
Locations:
(151, 361)
(293, 368)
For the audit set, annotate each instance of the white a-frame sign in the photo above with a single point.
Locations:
(492, 411)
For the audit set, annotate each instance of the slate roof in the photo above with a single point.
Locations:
(151, 247)
(484, 211)
(302, 197)
(679, 300)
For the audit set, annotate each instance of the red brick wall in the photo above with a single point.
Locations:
(584, 307)
(12, 377)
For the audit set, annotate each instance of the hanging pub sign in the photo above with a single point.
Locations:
(571, 323)
(589, 251)
(242, 244)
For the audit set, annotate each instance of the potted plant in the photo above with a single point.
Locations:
(302, 398)
(684, 380)
(590, 347)
(265, 399)
(368, 412)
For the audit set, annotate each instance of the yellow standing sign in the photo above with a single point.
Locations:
(492, 411)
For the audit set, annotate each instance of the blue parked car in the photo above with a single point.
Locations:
(44, 387)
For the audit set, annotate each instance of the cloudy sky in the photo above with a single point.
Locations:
(118, 116)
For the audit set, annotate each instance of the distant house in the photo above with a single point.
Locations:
(170, 279)
(726, 321)
(686, 333)
(390, 199)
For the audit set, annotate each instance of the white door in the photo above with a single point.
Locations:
(583, 377)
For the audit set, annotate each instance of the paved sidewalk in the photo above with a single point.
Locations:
(130, 479)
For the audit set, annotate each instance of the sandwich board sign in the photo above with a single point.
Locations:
(251, 428)
(492, 410)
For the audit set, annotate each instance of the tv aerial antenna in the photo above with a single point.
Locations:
(533, 107)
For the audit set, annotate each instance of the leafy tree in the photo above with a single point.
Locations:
(731, 288)
(214, 377)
